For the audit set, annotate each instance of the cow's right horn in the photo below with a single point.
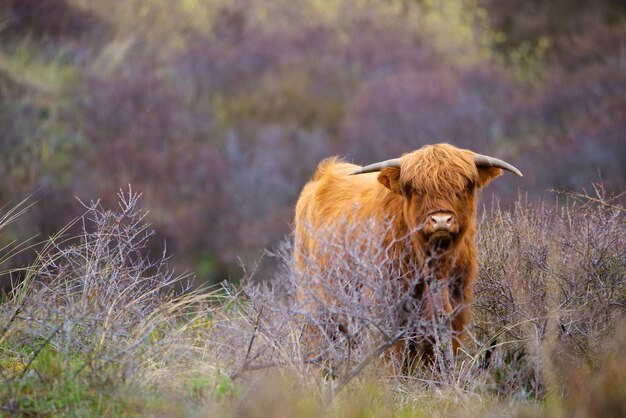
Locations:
(394, 162)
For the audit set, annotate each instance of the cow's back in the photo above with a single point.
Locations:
(330, 201)
(332, 196)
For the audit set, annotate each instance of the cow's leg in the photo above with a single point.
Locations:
(406, 356)
(445, 299)
(459, 323)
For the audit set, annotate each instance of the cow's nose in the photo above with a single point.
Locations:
(441, 222)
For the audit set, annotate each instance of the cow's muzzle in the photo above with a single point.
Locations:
(441, 223)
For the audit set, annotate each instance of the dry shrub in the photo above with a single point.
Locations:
(357, 310)
(93, 311)
(551, 288)
(549, 296)
(549, 300)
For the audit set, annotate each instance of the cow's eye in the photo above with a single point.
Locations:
(469, 188)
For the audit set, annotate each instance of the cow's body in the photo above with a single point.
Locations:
(428, 197)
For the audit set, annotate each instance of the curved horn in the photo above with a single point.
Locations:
(485, 161)
(394, 162)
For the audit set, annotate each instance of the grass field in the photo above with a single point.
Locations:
(99, 327)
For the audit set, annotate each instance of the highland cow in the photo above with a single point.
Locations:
(428, 196)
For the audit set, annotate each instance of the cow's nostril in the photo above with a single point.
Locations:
(441, 222)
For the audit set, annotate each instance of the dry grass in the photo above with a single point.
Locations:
(101, 327)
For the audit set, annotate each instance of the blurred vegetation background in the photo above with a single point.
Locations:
(219, 110)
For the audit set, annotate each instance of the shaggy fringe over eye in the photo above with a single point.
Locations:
(439, 169)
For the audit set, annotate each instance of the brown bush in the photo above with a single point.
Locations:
(551, 287)
(550, 295)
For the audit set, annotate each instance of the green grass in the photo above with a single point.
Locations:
(53, 385)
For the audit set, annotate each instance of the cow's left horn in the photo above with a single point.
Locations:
(395, 162)
(485, 161)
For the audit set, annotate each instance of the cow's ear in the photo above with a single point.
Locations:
(390, 178)
(486, 174)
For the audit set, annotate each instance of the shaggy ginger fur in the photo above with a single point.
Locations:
(431, 180)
